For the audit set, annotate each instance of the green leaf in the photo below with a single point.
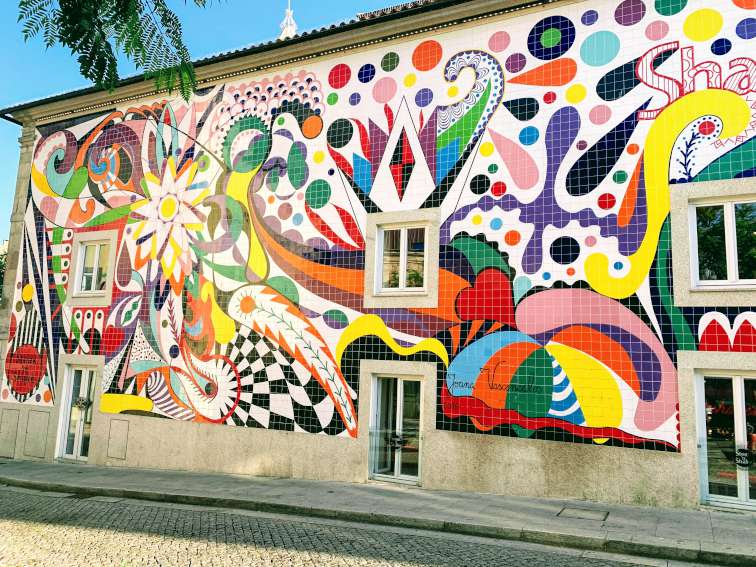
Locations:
(147, 32)
(109, 216)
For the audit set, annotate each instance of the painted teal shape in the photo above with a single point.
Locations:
(600, 48)
(521, 432)
(194, 330)
(139, 366)
(733, 164)
(178, 388)
(520, 287)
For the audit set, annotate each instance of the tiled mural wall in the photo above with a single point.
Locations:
(549, 143)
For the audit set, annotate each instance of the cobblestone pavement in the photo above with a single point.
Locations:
(51, 529)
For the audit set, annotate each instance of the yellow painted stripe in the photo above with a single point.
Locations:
(119, 403)
(374, 325)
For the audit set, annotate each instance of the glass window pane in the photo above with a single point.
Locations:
(749, 388)
(390, 275)
(712, 258)
(386, 437)
(87, 426)
(415, 257)
(102, 266)
(74, 414)
(720, 437)
(87, 268)
(410, 460)
(745, 230)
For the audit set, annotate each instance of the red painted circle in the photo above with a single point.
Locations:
(606, 201)
(498, 188)
(339, 76)
(706, 127)
(549, 97)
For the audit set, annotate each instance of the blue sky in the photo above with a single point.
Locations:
(28, 71)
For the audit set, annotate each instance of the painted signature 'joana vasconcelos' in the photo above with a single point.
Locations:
(519, 167)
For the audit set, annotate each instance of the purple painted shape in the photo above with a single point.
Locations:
(309, 313)
(515, 63)
(545, 210)
(428, 141)
(630, 12)
(378, 141)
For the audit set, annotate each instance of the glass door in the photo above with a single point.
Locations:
(749, 444)
(395, 431)
(78, 414)
(730, 444)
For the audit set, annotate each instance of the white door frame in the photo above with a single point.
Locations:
(738, 394)
(65, 399)
(375, 421)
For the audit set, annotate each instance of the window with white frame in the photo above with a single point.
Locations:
(401, 255)
(402, 259)
(724, 243)
(94, 263)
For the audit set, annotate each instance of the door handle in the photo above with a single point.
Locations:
(82, 403)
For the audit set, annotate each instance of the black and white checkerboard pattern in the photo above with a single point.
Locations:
(277, 392)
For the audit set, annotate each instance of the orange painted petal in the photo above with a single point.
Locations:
(625, 213)
(82, 154)
(455, 332)
(552, 74)
(602, 348)
(80, 216)
(474, 328)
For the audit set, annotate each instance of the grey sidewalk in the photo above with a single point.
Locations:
(704, 535)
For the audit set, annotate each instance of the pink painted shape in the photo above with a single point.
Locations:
(521, 166)
(118, 199)
(48, 206)
(555, 308)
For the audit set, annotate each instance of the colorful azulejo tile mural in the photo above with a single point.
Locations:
(548, 142)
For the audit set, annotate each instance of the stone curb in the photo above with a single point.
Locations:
(660, 548)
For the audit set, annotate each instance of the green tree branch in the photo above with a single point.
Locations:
(147, 32)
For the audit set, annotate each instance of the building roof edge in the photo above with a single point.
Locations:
(361, 21)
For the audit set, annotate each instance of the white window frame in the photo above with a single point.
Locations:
(731, 245)
(80, 263)
(375, 295)
(78, 297)
(403, 253)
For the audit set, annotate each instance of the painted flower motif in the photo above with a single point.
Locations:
(168, 220)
